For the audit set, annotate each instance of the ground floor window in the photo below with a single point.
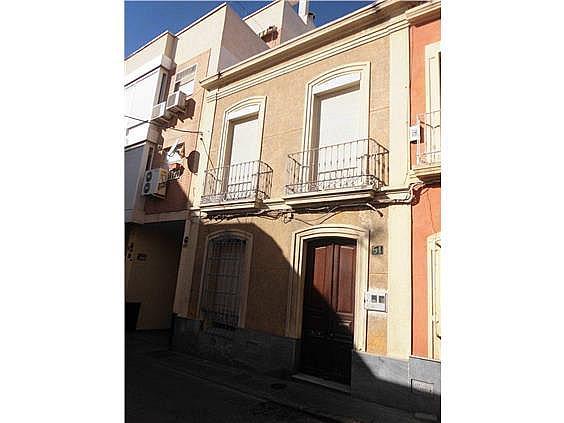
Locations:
(221, 297)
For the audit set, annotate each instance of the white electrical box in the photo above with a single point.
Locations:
(376, 300)
(414, 133)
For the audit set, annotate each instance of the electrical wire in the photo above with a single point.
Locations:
(179, 130)
(164, 127)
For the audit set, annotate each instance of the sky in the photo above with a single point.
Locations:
(144, 20)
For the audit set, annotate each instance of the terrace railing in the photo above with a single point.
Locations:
(429, 142)
(353, 165)
(248, 181)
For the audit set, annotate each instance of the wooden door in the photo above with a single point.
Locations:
(328, 314)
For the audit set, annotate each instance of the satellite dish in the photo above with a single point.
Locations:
(193, 161)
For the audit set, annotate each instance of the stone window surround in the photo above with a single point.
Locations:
(246, 270)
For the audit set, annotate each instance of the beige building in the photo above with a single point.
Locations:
(298, 235)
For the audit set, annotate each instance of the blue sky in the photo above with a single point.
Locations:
(144, 20)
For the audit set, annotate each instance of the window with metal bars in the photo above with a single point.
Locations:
(222, 282)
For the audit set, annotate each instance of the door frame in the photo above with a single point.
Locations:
(294, 307)
(431, 241)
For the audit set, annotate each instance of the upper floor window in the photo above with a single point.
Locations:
(337, 151)
(429, 144)
(241, 174)
(184, 80)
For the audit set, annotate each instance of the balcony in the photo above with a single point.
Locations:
(238, 186)
(354, 169)
(428, 148)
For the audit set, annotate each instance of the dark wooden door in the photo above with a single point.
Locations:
(328, 315)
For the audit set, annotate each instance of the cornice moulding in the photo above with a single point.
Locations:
(423, 13)
(315, 39)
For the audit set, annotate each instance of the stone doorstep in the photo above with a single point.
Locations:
(318, 402)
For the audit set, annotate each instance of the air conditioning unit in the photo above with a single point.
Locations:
(154, 182)
(176, 102)
(160, 115)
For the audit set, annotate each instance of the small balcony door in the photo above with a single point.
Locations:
(336, 158)
(432, 132)
(242, 155)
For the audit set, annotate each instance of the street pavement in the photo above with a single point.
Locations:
(164, 386)
(156, 393)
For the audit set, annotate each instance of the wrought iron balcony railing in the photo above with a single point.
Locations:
(249, 181)
(429, 143)
(360, 164)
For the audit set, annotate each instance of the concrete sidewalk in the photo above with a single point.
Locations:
(307, 398)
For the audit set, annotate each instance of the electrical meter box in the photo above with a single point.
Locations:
(376, 300)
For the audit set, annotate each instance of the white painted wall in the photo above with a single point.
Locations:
(140, 97)
(269, 15)
(134, 170)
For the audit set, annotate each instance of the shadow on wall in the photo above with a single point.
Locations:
(325, 347)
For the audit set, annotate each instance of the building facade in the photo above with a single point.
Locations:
(300, 237)
(300, 169)
(425, 70)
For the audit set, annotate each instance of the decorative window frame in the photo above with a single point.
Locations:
(295, 300)
(242, 109)
(245, 271)
(334, 80)
(432, 240)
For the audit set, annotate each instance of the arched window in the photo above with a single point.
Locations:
(225, 279)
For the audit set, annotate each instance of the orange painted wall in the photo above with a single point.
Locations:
(420, 36)
(426, 210)
(426, 215)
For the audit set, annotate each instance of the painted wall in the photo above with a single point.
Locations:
(163, 45)
(178, 191)
(292, 24)
(238, 42)
(282, 134)
(285, 103)
(426, 212)
(135, 162)
(420, 36)
(151, 268)
(271, 267)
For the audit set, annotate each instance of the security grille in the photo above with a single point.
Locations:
(221, 296)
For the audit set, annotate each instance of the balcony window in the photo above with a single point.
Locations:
(242, 176)
(429, 144)
(337, 153)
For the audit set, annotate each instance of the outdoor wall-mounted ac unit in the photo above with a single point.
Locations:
(160, 115)
(176, 102)
(154, 182)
